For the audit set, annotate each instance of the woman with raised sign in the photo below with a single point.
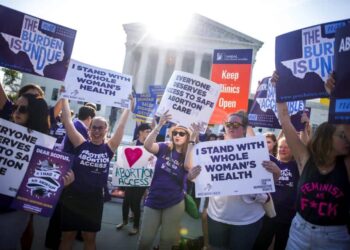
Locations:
(164, 204)
(82, 202)
(323, 192)
(29, 111)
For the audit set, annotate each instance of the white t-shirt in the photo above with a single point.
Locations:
(234, 211)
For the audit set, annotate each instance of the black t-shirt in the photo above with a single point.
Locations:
(324, 199)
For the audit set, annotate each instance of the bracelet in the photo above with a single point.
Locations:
(192, 142)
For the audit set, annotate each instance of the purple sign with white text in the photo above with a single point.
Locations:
(43, 182)
(32, 45)
(304, 59)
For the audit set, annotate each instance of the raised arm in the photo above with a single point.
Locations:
(74, 136)
(117, 137)
(150, 142)
(195, 128)
(298, 148)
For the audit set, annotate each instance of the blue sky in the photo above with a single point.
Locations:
(101, 39)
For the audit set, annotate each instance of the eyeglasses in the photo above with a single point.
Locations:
(20, 109)
(98, 128)
(175, 133)
(233, 124)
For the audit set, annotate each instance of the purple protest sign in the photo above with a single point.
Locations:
(339, 109)
(304, 59)
(43, 182)
(263, 112)
(32, 45)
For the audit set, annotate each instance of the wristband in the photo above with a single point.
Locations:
(192, 142)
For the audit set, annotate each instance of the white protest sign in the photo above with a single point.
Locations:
(232, 167)
(91, 84)
(134, 167)
(16, 149)
(189, 98)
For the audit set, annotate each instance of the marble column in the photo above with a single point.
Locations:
(160, 67)
(197, 63)
(141, 73)
(128, 60)
(179, 59)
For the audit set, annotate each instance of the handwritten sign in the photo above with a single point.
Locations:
(232, 167)
(88, 83)
(134, 167)
(43, 182)
(16, 149)
(189, 99)
(32, 45)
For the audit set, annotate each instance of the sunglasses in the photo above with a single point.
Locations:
(175, 133)
(233, 124)
(20, 109)
(98, 128)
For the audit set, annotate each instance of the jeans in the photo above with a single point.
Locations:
(238, 237)
(304, 235)
(167, 219)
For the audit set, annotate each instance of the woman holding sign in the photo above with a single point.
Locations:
(82, 202)
(323, 192)
(31, 112)
(234, 222)
(164, 205)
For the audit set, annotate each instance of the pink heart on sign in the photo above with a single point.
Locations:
(132, 155)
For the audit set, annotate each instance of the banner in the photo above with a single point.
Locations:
(189, 99)
(88, 83)
(232, 167)
(43, 182)
(32, 45)
(134, 167)
(231, 70)
(16, 149)
(145, 107)
(263, 112)
(339, 110)
(304, 59)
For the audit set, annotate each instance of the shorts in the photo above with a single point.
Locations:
(81, 211)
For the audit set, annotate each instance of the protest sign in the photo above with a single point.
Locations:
(32, 45)
(231, 70)
(156, 90)
(134, 167)
(232, 167)
(339, 110)
(263, 112)
(16, 149)
(189, 99)
(145, 107)
(304, 59)
(43, 182)
(88, 83)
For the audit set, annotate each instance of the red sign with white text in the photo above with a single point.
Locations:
(232, 70)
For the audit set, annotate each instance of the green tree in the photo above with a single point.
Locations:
(11, 82)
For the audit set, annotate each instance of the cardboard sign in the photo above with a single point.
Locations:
(16, 149)
(32, 45)
(189, 99)
(43, 183)
(231, 70)
(134, 167)
(304, 59)
(232, 167)
(88, 83)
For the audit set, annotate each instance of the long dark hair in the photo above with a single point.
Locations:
(38, 111)
(321, 144)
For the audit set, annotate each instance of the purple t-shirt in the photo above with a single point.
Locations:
(91, 167)
(67, 145)
(286, 191)
(167, 187)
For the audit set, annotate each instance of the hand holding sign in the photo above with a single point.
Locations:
(164, 118)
